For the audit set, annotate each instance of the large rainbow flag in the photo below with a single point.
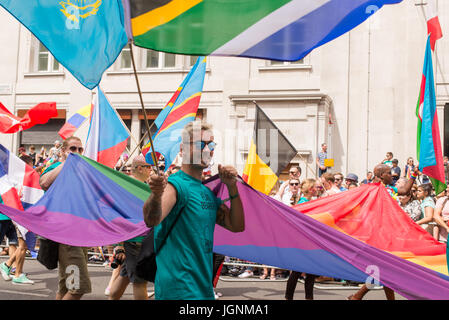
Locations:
(179, 111)
(275, 234)
(369, 214)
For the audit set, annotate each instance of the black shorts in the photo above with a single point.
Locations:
(128, 269)
(8, 229)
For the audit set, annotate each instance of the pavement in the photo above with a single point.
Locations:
(231, 288)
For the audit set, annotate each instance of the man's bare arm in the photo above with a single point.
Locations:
(159, 204)
(47, 179)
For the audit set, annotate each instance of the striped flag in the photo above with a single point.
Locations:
(278, 30)
(179, 111)
(107, 136)
(75, 121)
(428, 146)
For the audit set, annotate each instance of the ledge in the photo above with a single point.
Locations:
(151, 71)
(44, 74)
(286, 68)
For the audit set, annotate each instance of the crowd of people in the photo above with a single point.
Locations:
(406, 185)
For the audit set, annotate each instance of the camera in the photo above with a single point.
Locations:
(117, 262)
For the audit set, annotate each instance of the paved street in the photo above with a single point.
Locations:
(232, 288)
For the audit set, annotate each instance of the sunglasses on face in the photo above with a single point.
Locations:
(294, 184)
(75, 149)
(202, 144)
(292, 172)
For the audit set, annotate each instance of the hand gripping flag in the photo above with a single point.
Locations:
(179, 111)
(428, 145)
(107, 136)
(75, 121)
(84, 36)
(39, 114)
(277, 30)
(270, 152)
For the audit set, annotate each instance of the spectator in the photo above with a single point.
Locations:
(33, 155)
(21, 152)
(424, 194)
(351, 177)
(369, 178)
(409, 167)
(338, 177)
(319, 189)
(184, 263)
(388, 159)
(55, 150)
(41, 156)
(320, 159)
(309, 191)
(284, 194)
(328, 181)
(395, 171)
(68, 255)
(441, 217)
(352, 185)
(410, 205)
(140, 170)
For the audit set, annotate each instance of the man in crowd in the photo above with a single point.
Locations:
(382, 174)
(285, 194)
(338, 178)
(69, 256)
(328, 181)
(55, 151)
(190, 210)
(395, 171)
(141, 171)
(369, 178)
(351, 178)
(388, 159)
(320, 159)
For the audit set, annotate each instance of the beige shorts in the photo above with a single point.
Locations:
(73, 273)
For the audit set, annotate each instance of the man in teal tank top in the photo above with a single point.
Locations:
(184, 263)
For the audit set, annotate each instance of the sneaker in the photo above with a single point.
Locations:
(216, 296)
(5, 270)
(22, 279)
(150, 294)
(246, 274)
(107, 291)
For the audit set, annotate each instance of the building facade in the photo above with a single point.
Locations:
(357, 93)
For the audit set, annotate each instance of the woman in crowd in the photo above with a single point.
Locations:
(424, 194)
(441, 217)
(309, 191)
(410, 205)
(409, 167)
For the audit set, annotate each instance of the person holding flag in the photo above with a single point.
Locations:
(191, 209)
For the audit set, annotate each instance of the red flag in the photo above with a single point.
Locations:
(433, 23)
(39, 114)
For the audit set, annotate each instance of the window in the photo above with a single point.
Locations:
(192, 60)
(125, 59)
(285, 63)
(45, 60)
(159, 60)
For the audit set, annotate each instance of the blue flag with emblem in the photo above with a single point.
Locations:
(85, 36)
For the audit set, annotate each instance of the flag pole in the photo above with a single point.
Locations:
(153, 152)
(137, 147)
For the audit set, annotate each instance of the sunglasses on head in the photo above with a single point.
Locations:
(202, 144)
(75, 149)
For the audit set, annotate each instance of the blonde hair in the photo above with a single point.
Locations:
(306, 185)
(65, 143)
(188, 131)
